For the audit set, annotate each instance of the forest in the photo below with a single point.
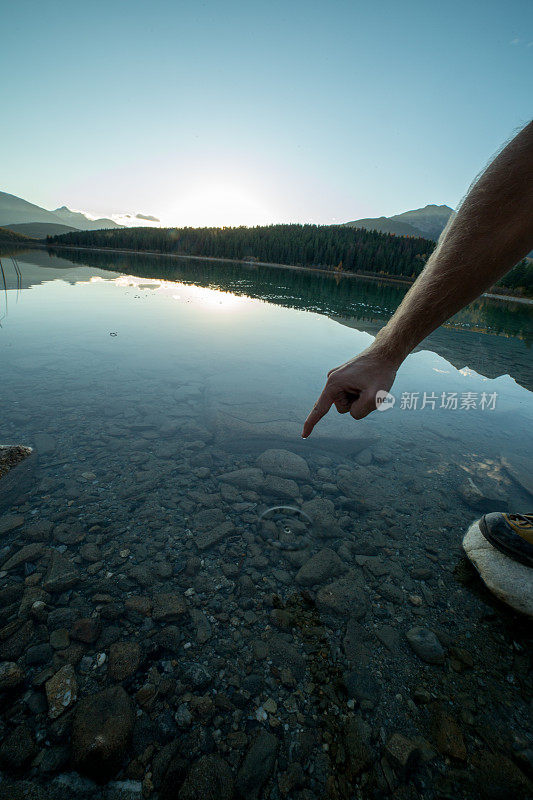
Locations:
(331, 247)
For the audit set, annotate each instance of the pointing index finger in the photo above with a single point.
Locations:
(320, 409)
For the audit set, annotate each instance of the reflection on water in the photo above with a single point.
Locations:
(252, 592)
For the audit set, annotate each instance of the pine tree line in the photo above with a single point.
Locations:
(331, 247)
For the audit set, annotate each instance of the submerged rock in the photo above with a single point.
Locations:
(257, 765)
(426, 645)
(61, 691)
(344, 597)
(321, 567)
(61, 575)
(102, 727)
(168, 607)
(448, 736)
(11, 675)
(249, 478)
(124, 660)
(18, 748)
(284, 464)
(10, 522)
(209, 778)
(507, 579)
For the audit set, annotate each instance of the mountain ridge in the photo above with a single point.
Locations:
(79, 220)
(15, 211)
(428, 222)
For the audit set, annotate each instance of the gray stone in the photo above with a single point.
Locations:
(510, 581)
(31, 552)
(388, 636)
(319, 509)
(11, 675)
(62, 574)
(61, 618)
(284, 464)
(345, 597)
(209, 778)
(321, 567)
(322, 513)
(13, 647)
(59, 639)
(207, 539)
(183, 716)
(201, 624)
(208, 518)
(281, 487)
(9, 522)
(248, 478)
(447, 735)
(361, 685)
(168, 607)
(102, 727)
(257, 766)
(32, 595)
(402, 752)
(124, 660)
(285, 656)
(18, 748)
(195, 673)
(356, 641)
(86, 629)
(61, 691)
(358, 755)
(39, 654)
(426, 645)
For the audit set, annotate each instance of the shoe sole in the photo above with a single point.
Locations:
(507, 551)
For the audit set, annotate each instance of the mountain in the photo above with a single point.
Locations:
(14, 211)
(31, 220)
(40, 230)
(80, 221)
(428, 222)
(384, 225)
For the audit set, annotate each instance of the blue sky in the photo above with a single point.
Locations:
(244, 112)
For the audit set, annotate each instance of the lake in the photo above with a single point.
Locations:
(250, 591)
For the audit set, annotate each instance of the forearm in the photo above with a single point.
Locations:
(491, 232)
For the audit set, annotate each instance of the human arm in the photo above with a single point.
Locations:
(492, 230)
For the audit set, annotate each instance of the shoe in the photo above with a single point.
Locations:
(511, 534)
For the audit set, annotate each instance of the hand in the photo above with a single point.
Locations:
(352, 387)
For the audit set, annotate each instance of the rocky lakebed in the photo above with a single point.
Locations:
(202, 606)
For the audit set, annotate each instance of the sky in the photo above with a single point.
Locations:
(244, 112)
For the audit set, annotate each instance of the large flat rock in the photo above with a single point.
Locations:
(508, 580)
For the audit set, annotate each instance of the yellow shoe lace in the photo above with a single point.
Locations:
(522, 520)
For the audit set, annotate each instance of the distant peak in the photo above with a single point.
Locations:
(62, 208)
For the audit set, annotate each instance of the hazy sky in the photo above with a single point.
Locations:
(245, 112)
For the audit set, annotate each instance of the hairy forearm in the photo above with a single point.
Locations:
(491, 232)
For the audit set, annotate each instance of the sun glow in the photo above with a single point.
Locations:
(220, 204)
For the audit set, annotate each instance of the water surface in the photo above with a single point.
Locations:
(154, 390)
